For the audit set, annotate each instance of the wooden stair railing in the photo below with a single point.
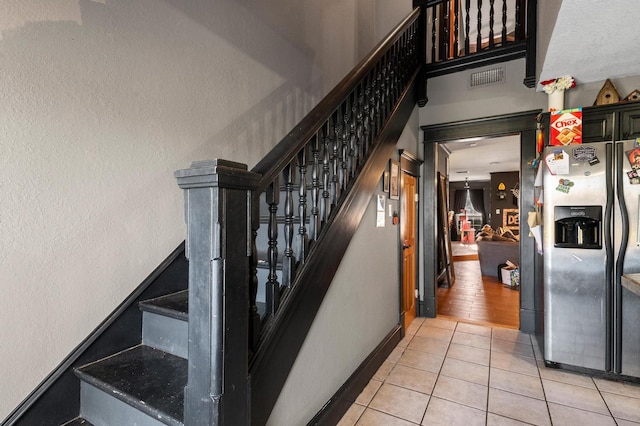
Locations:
(325, 171)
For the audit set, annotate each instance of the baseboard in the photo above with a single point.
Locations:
(340, 402)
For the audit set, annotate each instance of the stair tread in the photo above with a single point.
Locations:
(148, 379)
(175, 305)
(78, 421)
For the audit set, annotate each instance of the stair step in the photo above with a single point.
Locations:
(175, 305)
(79, 421)
(148, 380)
(165, 323)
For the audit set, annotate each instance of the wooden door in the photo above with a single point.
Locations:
(408, 237)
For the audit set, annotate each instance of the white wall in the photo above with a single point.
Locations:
(100, 102)
(451, 100)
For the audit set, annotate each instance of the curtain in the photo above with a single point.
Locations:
(459, 200)
(477, 201)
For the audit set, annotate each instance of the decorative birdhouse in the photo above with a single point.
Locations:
(633, 96)
(608, 94)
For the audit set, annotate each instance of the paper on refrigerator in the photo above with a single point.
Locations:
(557, 162)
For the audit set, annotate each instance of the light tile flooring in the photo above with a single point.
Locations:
(453, 373)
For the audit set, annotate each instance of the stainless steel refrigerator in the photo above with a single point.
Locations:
(590, 238)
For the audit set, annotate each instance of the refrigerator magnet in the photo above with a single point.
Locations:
(558, 162)
(584, 154)
(564, 186)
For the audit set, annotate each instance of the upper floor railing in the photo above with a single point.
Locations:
(462, 34)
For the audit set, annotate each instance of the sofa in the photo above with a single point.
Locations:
(491, 254)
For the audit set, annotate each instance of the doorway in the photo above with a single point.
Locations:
(409, 173)
(476, 207)
(524, 125)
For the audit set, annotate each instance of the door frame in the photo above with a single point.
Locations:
(524, 124)
(410, 164)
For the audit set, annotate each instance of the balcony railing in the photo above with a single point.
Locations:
(463, 34)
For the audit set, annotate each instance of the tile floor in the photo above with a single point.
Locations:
(446, 372)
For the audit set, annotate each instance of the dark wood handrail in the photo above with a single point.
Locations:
(282, 154)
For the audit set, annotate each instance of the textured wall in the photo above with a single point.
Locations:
(100, 101)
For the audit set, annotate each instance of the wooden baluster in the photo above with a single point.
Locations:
(325, 207)
(254, 315)
(378, 93)
(479, 37)
(344, 147)
(456, 24)
(373, 102)
(360, 136)
(520, 19)
(434, 19)
(383, 88)
(335, 160)
(273, 287)
(366, 116)
(445, 33)
(491, 20)
(288, 261)
(393, 75)
(387, 85)
(354, 154)
(467, 27)
(504, 23)
(314, 222)
(372, 110)
(303, 238)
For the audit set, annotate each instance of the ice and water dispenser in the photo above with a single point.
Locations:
(578, 227)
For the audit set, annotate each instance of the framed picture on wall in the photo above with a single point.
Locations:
(385, 182)
(511, 219)
(394, 180)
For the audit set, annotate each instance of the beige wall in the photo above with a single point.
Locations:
(100, 101)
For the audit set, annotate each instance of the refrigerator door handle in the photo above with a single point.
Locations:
(624, 240)
(609, 255)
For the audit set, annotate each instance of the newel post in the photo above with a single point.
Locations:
(217, 197)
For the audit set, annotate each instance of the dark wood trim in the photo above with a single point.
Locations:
(530, 64)
(494, 56)
(498, 125)
(57, 398)
(285, 336)
(524, 124)
(409, 163)
(340, 402)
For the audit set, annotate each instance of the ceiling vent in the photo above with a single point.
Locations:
(487, 77)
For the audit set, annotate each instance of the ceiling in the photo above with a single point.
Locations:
(586, 39)
(476, 158)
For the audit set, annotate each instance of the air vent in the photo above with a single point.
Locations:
(487, 78)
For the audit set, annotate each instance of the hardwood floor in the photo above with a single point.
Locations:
(476, 298)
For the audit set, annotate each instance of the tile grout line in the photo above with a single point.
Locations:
(439, 370)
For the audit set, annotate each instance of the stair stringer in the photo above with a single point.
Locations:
(283, 340)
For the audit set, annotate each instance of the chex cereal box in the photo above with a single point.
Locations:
(566, 127)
